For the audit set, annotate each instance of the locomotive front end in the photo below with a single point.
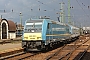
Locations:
(32, 36)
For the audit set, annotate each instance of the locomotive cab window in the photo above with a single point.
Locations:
(33, 27)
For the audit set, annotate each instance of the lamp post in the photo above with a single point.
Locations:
(69, 16)
(1, 16)
(21, 23)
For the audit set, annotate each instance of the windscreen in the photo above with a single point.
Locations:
(33, 27)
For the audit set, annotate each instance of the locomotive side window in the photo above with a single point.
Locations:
(48, 26)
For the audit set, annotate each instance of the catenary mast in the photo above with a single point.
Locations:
(69, 17)
(62, 20)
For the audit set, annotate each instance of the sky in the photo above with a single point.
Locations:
(79, 10)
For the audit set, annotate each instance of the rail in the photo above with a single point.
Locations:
(68, 54)
(25, 55)
(55, 53)
(10, 56)
(82, 55)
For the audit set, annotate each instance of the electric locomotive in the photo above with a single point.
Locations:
(40, 33)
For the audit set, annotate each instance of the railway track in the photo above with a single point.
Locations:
(83, 53)
(71, 55)
(66, 52)
(19, 56)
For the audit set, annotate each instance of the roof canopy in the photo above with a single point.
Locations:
(11, 24)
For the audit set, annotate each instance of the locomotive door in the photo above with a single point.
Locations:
(4, 31)
(50, 31)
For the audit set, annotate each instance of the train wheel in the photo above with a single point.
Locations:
(25, 49)
(51, 45)
(46, 48)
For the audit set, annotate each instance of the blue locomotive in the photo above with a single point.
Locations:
(40, 33)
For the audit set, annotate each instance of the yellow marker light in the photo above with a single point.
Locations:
(38, 37)
(25, 37)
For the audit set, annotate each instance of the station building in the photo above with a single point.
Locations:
(8, 29)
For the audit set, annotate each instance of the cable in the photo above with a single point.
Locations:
(47, 5)
(83, 9)
(72, 14)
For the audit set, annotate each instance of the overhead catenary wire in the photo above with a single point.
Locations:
(45, 4)
(83, 9)
(51, 8)
(58, 10)
(72, 15)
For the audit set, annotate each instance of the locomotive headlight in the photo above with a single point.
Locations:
(25, 37)
(32, 30)
(38, 37)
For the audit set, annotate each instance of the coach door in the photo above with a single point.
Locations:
(4, 31)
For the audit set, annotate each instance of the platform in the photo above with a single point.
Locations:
(8, 46)
(4, 41)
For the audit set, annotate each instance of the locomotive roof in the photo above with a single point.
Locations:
(56, 22)
(74, 27)
(30, 21)
(40, 20)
